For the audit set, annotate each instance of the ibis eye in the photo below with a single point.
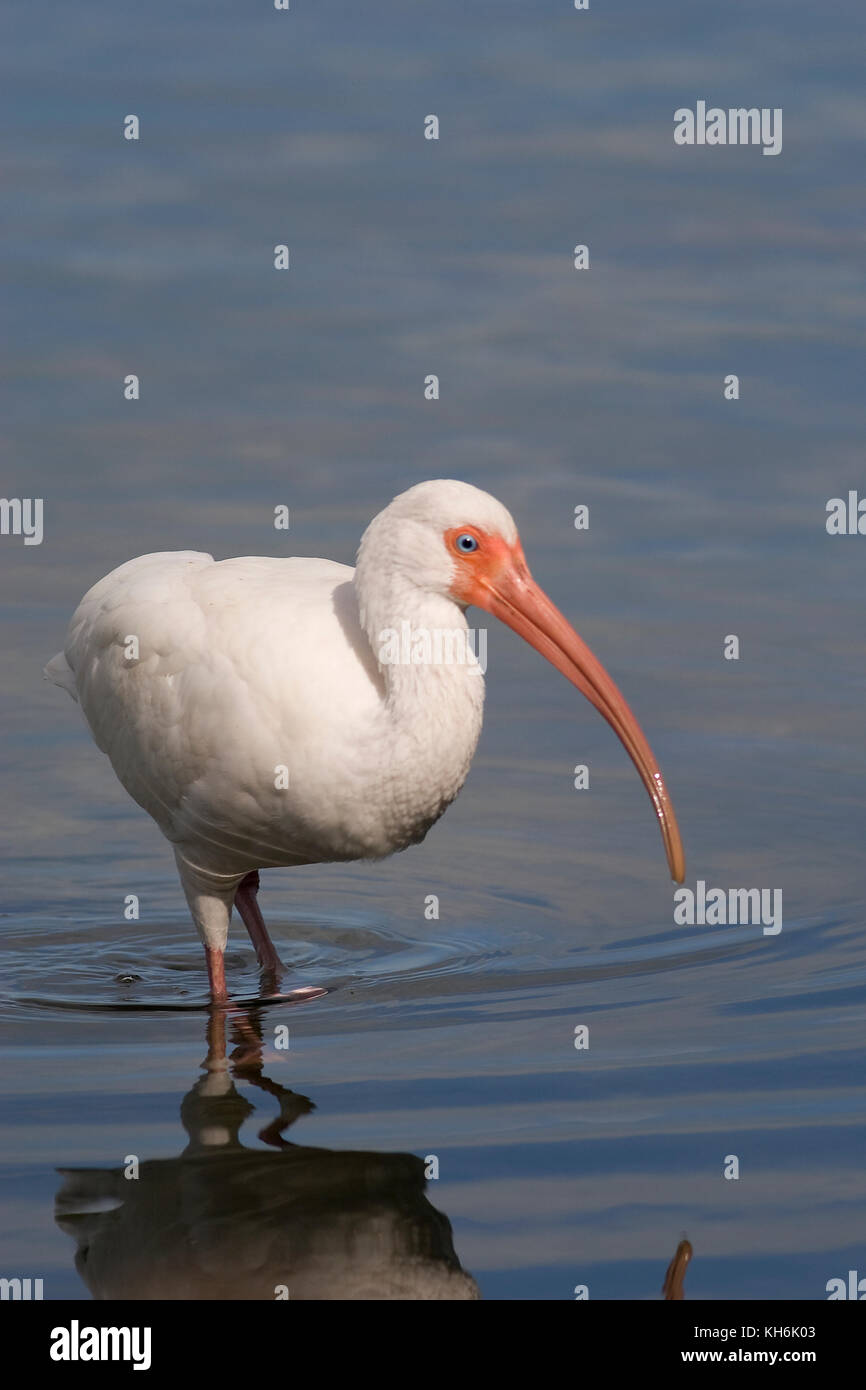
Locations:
(466, 544)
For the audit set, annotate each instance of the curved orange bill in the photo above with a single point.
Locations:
(514, 597)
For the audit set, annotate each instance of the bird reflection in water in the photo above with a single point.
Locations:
(222, 1221)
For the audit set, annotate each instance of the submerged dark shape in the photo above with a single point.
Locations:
(673, 1287)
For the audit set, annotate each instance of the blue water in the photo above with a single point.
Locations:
(455, 1038)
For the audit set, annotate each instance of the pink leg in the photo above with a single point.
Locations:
(245, 902)
(216, 973)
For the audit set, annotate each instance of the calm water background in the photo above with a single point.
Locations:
(454, 1037)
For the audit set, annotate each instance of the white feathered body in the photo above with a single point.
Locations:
(256, 671)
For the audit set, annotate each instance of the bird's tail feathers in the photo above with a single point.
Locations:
(59, 672)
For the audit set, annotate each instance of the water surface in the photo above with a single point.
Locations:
(453, 1038)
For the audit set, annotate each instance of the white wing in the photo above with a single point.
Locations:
(199, 679)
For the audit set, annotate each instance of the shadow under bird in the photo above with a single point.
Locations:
(257, 717)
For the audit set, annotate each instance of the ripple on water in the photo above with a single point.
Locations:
(64, 965)
(51, 964)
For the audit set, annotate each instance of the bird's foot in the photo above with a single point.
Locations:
(294, 996)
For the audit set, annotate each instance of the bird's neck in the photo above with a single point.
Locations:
(432, 666)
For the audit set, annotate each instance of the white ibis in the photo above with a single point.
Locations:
(252, 708)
